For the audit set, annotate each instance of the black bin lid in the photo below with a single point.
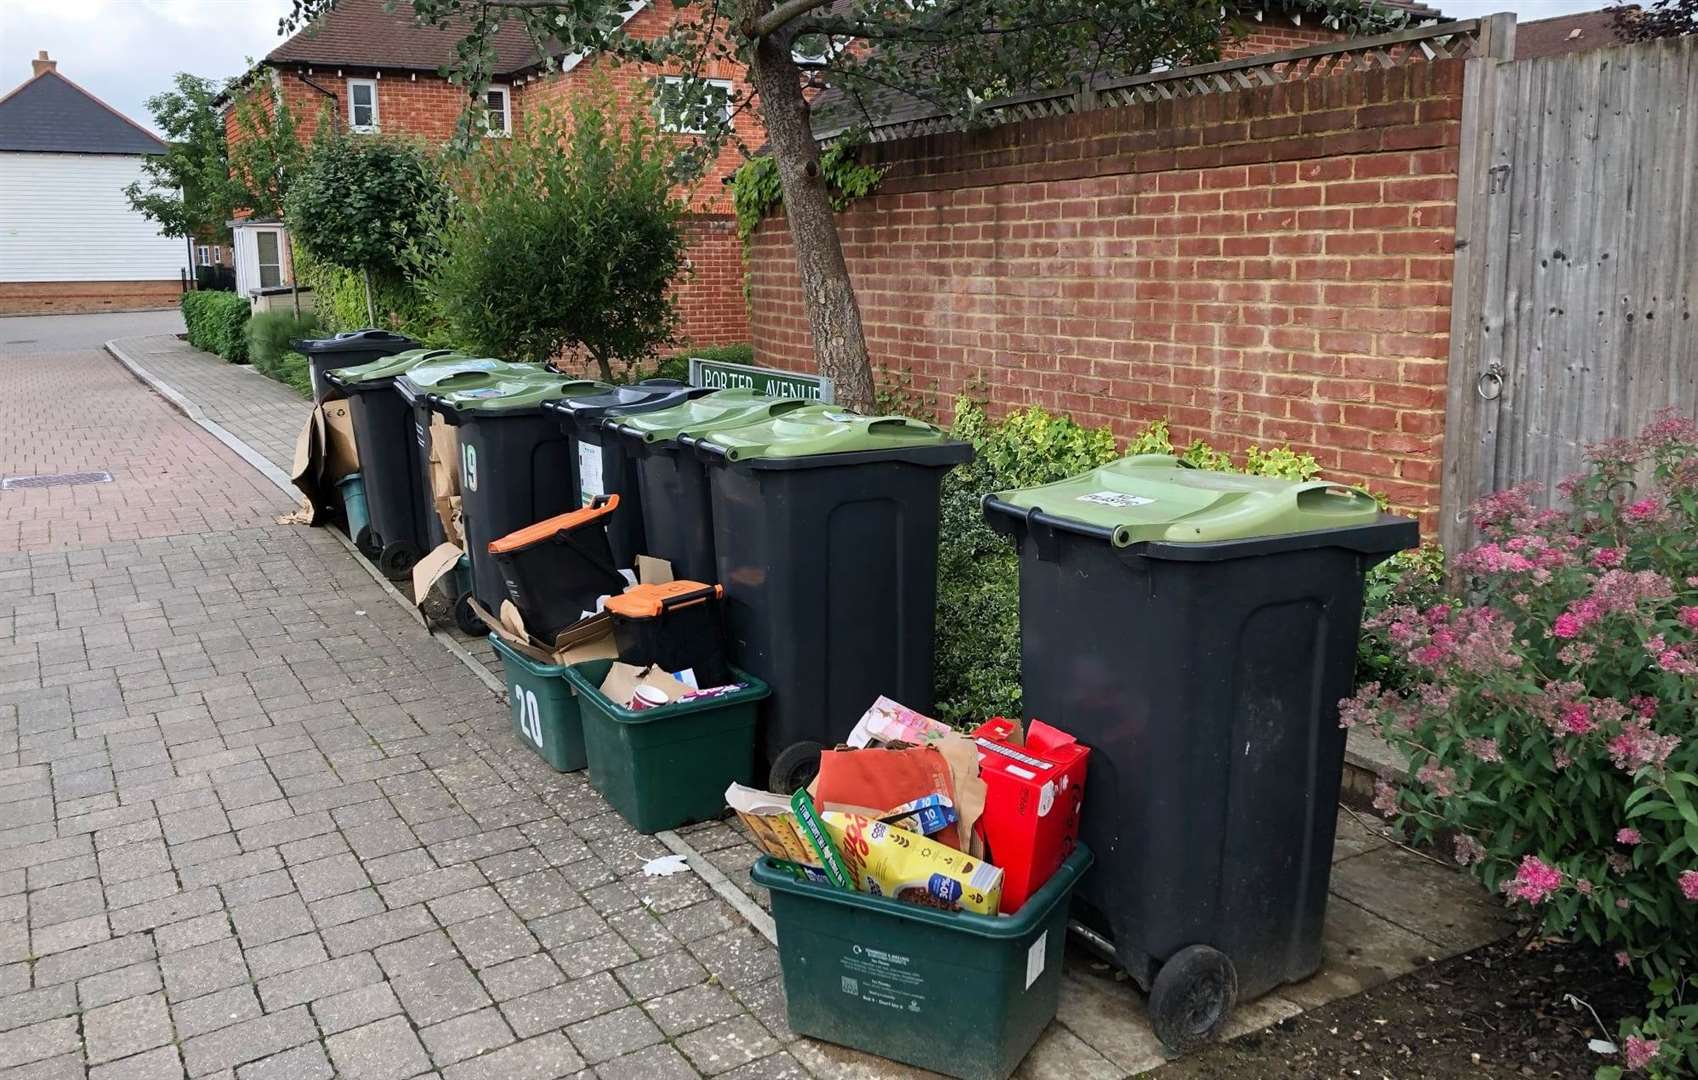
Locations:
(355, 341)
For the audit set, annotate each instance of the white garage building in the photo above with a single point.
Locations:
(69, 240)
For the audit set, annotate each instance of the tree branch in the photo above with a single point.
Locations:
(776, 18)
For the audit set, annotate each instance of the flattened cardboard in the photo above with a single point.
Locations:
(623, 679)
(444, 459)
(590, 639)
(431, 569)
(341, 454)
(324, 453)
(653, 571)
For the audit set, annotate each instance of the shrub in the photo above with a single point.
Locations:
(1552, 725)
(269, 335)
(977, 662)
(217, 322)
(1413, 578)
(364, 202)
(567, 239)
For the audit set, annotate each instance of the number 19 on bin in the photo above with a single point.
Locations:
(529, 716)
(469, 466)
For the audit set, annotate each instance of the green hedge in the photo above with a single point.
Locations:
(269, 335)
(218, 323)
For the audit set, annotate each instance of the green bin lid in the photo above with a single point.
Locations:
(457, 371)
(717, 411)
(513, 394)
(819, 430)
(388, 367)
(1156, 497)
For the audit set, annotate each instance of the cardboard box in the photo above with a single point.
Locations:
(1035, 787)
(325, 452)
(586, 639)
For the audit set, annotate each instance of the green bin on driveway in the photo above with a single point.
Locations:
(961, 994)
(669, 765)
(544, 708)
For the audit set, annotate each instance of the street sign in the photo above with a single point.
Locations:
(724, 376)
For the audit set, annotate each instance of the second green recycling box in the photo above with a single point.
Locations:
(1197, 630)
(825, 533)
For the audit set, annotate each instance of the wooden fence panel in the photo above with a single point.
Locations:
(1577, 282)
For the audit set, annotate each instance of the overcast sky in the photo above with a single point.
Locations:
(124, 51)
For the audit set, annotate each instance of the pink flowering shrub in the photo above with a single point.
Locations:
(1551, 721)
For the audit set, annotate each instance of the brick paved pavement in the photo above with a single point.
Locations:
(252, 825)
(395, 823)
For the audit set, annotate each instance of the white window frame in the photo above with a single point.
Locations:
(259, 262)
(203, 255)
(669, 80)
(506, 127)
(376, 120)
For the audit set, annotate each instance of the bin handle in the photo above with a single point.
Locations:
(694, 596)
(1325, 495)
(901, 422)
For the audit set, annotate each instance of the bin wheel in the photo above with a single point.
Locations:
(794, 768)
(466, 619)
(366, 541)
(1192, 996)
(395, 561)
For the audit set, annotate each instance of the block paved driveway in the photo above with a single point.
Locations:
(255, 823)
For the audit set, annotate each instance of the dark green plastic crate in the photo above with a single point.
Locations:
(543, 708)
(670, 765)
(961, 994)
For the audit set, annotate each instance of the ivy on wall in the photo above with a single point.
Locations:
(755, 190)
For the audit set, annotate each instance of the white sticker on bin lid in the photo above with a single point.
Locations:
(1114, 498)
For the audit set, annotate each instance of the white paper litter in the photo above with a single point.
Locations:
(665, 866)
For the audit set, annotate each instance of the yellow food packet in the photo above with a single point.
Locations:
(886, 861)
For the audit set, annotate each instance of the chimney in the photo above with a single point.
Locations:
(43, 63)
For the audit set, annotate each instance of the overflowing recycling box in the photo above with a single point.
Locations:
(546, 716)
(959, 993)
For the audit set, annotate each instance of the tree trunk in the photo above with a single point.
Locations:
(828, 296)
(371, 309)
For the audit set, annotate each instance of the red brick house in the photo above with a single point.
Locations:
(367, 69)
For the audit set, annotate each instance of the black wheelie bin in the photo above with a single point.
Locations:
(604, 466)
(346, 350)
(398, 503)
(825, 530)
(516, 466)
(444, 375)
(673, 484)
(1197, 630)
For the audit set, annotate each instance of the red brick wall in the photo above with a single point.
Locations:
(65, 297)
(1275, 33)
(711, 298)
(630, 85)
(1263, 267)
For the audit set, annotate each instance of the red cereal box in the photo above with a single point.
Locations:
(1033, 794)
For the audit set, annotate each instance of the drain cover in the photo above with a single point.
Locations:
(69, 479)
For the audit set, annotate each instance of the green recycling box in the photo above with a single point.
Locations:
(668, 765)
(544, 707)
(960, 994)
(677, 502)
